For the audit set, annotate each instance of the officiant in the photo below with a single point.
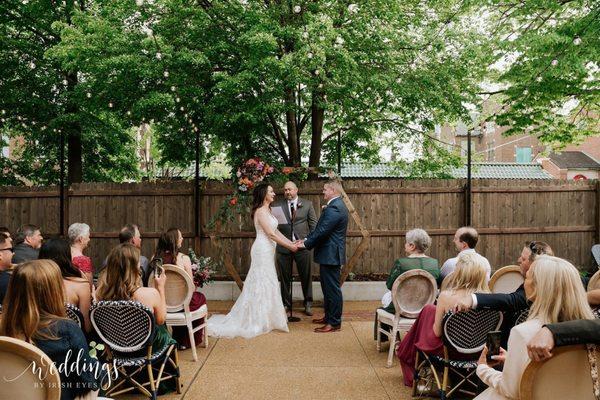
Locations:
(299, 220)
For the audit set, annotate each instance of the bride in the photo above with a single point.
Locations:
(259, 309)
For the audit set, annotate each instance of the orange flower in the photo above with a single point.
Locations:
(287, 170)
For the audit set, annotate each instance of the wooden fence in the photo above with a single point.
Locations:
(566, 214)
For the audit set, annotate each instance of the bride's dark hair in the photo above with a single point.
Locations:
(258, 197)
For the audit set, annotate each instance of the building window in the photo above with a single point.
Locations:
(464, 147)
(523, 155)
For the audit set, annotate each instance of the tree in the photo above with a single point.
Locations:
(278, 79)
(40, 101)
(550, 68)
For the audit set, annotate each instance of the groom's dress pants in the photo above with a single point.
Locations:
(332, 293)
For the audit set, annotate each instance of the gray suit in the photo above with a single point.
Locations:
(304, 222)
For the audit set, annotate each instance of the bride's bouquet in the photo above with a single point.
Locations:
(203, 268)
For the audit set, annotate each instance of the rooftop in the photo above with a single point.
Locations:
(574, 160)
(479, 171)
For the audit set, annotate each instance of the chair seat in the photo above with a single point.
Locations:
(121, 361)
(455, 363)
(179, 317)
(388, 318)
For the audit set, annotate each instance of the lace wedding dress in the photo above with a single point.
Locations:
(259, 309)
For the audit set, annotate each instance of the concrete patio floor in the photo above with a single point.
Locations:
(295, 365)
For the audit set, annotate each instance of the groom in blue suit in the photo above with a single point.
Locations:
(329, 242)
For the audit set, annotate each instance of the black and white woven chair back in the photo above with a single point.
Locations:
(74, 314)
(522, 316)
(467, 331)
(125, 326)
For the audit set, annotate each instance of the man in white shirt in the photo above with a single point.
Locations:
(301, 219)
(465, 240)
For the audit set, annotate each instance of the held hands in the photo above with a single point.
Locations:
(540, 346)
(300, 244)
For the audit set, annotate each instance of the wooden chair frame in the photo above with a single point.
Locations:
(502, 271)
(594, 282)
(533, 368)
(127, 374)
(399, 322)
(175, 312)
(31, 353)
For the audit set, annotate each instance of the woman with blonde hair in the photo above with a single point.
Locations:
(554, 287)
(34, 311)
(470, 276)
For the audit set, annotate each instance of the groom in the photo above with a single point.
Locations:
(329, 241)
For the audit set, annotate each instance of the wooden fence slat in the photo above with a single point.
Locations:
(566, 214)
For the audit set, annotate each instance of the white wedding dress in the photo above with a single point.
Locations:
(259, 309)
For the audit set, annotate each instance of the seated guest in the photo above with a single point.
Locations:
(79, 237)
(121, 280)
(465, 240)
(469, 276)
(28, 241)
(77, 288)
(4, 230)
(566, 333)
(130, 233)
(34, 311)
(593, 297)
(554, 287)
(167, 249)
(417, 241)
(512, 304)
(6, 254)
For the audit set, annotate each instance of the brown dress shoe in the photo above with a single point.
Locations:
(319, 320)
(327, 329)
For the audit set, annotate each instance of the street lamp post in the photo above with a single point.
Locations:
(468, 213)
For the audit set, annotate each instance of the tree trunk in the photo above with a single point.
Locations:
(292, 128)
(74, 142)
(316, 122)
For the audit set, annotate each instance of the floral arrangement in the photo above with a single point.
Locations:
(203, 269)
(252, 172)
(249, 174)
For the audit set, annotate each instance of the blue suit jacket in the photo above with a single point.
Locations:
(329, 237)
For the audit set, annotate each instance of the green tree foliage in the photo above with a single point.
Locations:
(278, 79)
(551, 52)
(39, 100)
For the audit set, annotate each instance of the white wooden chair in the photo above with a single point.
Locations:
(564, 376)
(20, 381)
(506, 279)
(178, 293)
(411, 291)
(594, 282)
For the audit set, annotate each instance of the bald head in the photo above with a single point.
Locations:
(465, 238)
(290, 190)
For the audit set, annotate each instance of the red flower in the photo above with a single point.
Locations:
(233, 201)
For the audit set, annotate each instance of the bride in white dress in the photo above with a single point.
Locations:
(259, 309)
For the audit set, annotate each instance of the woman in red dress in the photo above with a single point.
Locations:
(79, 237)
(167, 249)
(470, 276)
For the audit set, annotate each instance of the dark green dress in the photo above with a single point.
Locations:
(405, 264)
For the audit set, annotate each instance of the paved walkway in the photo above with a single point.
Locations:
(296, 365)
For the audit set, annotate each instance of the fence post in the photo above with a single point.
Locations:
(598, 210)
